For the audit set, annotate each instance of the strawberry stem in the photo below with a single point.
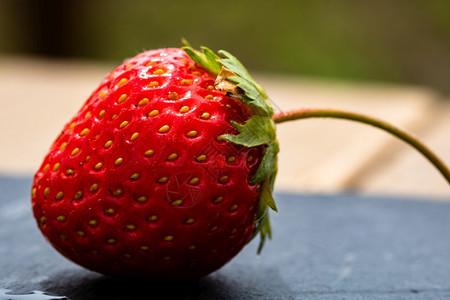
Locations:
(339, 114)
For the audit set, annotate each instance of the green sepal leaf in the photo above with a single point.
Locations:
(233, 64)
(266, 196)
(207, 59)
(249, 87)
(258, 130)
(212, 59)
(253, 96)
(265, 232)
(185, 42)
(266, 201)
(267, 167)
(273, 175)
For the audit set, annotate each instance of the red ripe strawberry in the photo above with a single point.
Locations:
(155, 176)
(167, 170)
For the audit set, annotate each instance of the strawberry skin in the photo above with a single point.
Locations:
(140, 184)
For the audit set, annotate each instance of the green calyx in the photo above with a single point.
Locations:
(258, 130)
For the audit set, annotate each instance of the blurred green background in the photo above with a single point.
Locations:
(405, 41)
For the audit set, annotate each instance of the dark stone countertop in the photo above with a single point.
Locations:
(323, 247)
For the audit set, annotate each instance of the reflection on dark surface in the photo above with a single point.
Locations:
(35, 295)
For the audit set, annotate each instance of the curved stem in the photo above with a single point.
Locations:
(339, 114)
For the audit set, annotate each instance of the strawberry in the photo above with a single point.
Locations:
(166, 170)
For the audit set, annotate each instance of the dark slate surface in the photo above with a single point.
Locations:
(324, 247)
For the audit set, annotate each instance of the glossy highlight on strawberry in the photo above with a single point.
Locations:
(140, 182)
